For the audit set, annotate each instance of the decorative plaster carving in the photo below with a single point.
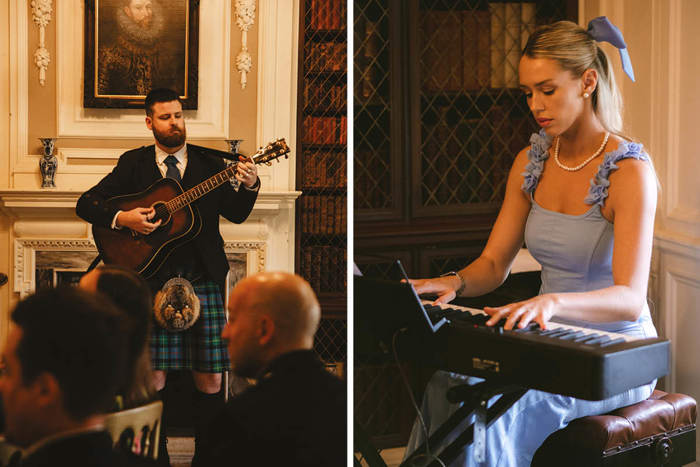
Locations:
(41, 14)
(25, 258)
(245, 17)
(257, 249)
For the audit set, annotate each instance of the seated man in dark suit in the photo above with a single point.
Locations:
(62, 364)
(295, 414)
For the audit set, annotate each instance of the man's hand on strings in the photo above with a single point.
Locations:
(138, 220)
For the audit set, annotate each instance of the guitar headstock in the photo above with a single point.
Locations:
(273, 150)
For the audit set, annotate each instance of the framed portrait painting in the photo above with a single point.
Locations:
(133, 46)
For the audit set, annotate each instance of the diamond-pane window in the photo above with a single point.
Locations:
(372, 96)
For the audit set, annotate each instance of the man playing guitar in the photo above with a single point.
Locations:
(201, 260)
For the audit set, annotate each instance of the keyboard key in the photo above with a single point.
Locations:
(573, 335)
(589, 337)
(566, 334)
(530, 328)
(558, 332)
(619, 340)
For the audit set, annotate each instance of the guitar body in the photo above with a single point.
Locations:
(146, 253)
(181, 221)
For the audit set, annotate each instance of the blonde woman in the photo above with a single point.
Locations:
(582, 196)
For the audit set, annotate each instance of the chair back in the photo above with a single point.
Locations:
(136, 430)
(9, 453)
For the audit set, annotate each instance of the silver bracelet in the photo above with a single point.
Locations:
(462, 285)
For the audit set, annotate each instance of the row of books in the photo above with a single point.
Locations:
(325, 130)
(323, 214)
(325, 95)
(370, 61)
(474, 48)
(325, 56)
(324, 267)
(324, 169)
(328, 14)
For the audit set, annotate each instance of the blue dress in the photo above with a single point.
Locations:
(576, 256)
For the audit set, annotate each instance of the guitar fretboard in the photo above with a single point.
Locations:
(271, 152)
(202, 189)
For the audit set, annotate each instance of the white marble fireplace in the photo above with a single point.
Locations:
(52, 245)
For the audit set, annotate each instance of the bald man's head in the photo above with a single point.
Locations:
(270, 313)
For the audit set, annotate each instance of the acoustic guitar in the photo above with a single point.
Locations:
(180, 222)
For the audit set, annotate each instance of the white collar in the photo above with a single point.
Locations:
(180, 155)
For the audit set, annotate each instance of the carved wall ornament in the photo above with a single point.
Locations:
(245, 17)
(25, 258)
(254, 250)
(41, 14)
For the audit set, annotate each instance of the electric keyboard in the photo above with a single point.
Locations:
(563, 359)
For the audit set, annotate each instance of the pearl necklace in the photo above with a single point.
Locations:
(582, 164)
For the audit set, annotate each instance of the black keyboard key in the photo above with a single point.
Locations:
(601, 340)
(530, 328)
(619, 340)
(573, 335)
(587, 337)
(566, 334)
(558, 332)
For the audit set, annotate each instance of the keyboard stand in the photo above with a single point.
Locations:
(475, 398)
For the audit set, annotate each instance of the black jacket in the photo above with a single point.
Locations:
(294, 417)
(137, 170)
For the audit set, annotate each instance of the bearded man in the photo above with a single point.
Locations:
(201, 261)
(132, 64)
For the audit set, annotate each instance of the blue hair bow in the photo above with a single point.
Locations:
(602, 30)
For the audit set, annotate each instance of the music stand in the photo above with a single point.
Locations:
(383, 309)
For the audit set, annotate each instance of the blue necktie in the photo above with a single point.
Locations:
(172, 172)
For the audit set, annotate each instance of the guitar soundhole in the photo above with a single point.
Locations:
(161, 213)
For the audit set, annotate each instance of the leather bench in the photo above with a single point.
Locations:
(659, 431)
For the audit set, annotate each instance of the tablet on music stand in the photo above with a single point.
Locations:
(387, 306)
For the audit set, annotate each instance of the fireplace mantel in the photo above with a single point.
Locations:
(52, 203)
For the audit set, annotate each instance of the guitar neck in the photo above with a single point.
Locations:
(196, 192)
(271, 152)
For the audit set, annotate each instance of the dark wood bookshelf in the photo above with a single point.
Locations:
(328, 112)
(321, 219)
(324, 35)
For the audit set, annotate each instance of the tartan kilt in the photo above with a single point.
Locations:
(200, 347)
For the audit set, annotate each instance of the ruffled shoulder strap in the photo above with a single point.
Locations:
(598, 192)
(537, 154)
